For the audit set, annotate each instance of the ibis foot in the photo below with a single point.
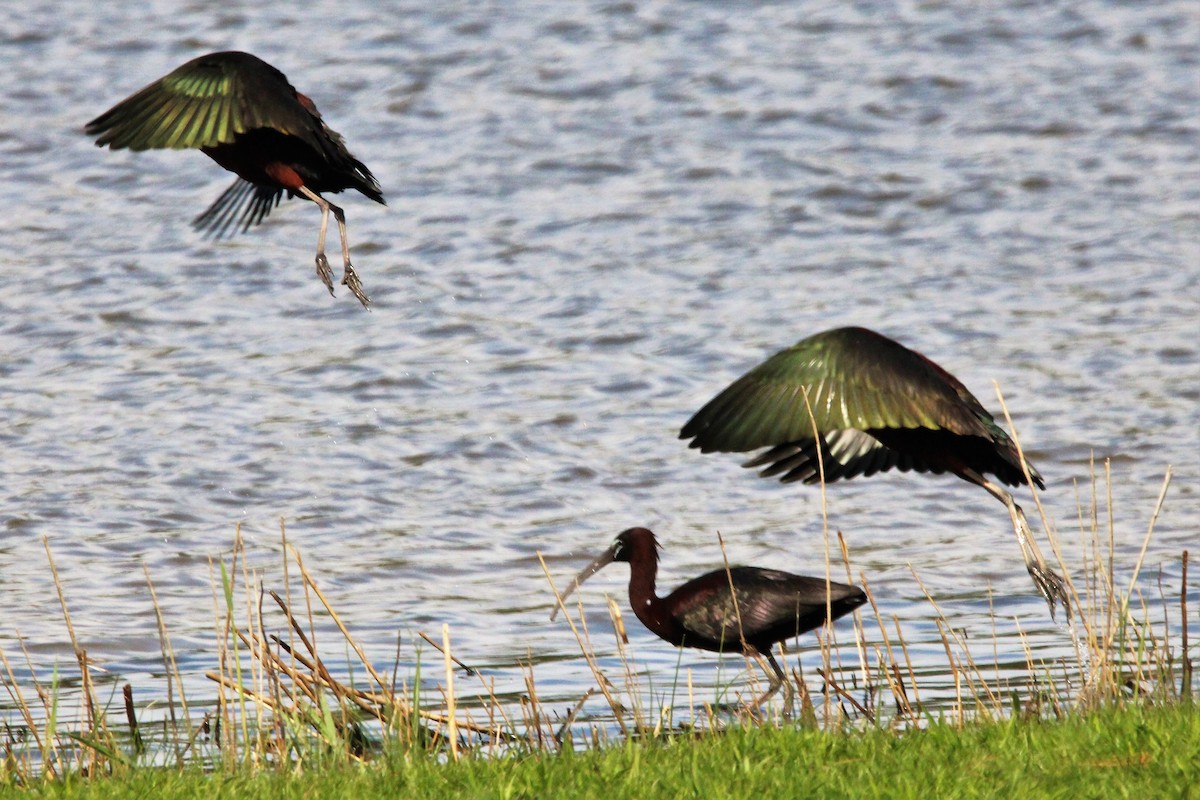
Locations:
(1051, 587)
(350, 281)
(324, 272)
(788, 696)
(777, 680)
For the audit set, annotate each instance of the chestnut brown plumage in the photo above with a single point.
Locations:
(740, 609)
(245, 115)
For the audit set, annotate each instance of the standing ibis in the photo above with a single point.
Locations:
(242, 113)
(875, 406)
(741, 609)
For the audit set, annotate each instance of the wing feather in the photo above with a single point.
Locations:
(239, 207)
(864, 390)
(855, 379)
(771, 605)
(215, 99)
(203, 103)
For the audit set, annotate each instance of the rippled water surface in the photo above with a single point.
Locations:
(598, 215)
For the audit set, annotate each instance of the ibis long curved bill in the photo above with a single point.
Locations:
(600, 562)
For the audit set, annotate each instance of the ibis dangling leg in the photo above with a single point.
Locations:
(324, 272)
(1049, 584)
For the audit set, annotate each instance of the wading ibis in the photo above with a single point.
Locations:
(876, 406)
(765, 606)
(242, 113)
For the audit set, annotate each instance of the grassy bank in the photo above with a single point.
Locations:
(1121, 720)
(1135, 751)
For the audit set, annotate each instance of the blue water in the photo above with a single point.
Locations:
(598, 215)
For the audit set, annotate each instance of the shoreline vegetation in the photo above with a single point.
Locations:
(1121, 717)
(1129, 751)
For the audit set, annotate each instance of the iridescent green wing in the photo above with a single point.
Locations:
(854, 379)
(204, 103)
(768, 602)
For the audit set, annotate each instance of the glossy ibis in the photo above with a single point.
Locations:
(876, 406)
(765, 606)
(242, 113)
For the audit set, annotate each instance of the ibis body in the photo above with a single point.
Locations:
(739, 609)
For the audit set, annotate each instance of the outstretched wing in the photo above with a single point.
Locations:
(206, 102)
(875, 406)
(854, 379)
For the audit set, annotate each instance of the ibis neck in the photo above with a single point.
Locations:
(647, 606)
(641, 586)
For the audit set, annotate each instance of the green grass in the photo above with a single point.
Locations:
(1135, 751)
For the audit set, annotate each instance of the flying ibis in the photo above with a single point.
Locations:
(242, 113)
(875, 406)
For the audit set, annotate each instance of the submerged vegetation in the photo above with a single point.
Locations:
(1125, 705)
